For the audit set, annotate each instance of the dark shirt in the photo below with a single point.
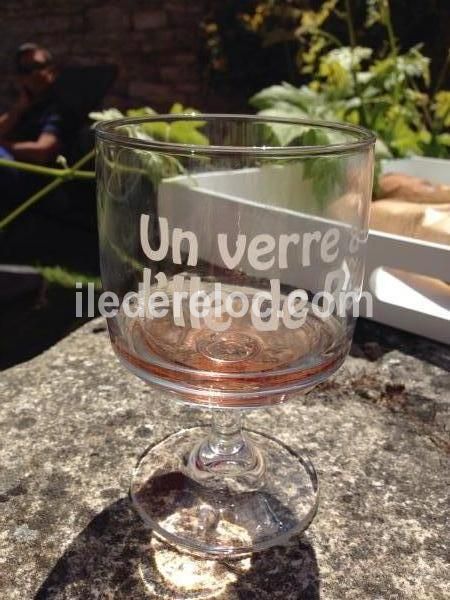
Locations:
(42, 117)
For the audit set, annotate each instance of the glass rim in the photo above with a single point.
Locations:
(364, 138)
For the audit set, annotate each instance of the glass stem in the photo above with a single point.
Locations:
(226, 435)
(226, 456)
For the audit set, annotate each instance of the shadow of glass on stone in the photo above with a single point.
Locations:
(117, 556)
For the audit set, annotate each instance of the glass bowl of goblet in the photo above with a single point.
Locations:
(234, 247)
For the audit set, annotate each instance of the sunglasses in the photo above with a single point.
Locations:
(26, 69)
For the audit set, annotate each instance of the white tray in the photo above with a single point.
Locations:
(401, 300)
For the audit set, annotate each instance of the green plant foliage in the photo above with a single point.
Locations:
(179, 132)
(154, 165)
(66, 278)
(387, 91)
(441, 107)
(325, 173)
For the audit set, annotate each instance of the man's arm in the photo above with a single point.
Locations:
(9, 120)
(41, 151)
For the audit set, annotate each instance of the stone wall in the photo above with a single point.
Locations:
(155, 44)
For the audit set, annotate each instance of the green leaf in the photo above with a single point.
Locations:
(348, 58)
(106, 115)
(315, 137)
(283, 134)
(302, 97)
(373, 13)
(406, 140)
(178, 108)
(326, 174)
(414, 64)
(441, 106)
(444, 139)
(381, 149)
(144, 111)
(335, 74)
(179, 132)
(185, 132)
(155, 130)
(393, 69)
(312, 20)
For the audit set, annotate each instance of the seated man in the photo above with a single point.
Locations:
(31, 130)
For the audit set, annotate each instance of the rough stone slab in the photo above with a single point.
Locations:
(73, 422)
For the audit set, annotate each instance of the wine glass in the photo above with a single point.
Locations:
(234, 246)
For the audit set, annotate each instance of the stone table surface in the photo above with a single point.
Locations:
(72, 423)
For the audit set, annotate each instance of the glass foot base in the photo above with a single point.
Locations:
(228, 511)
